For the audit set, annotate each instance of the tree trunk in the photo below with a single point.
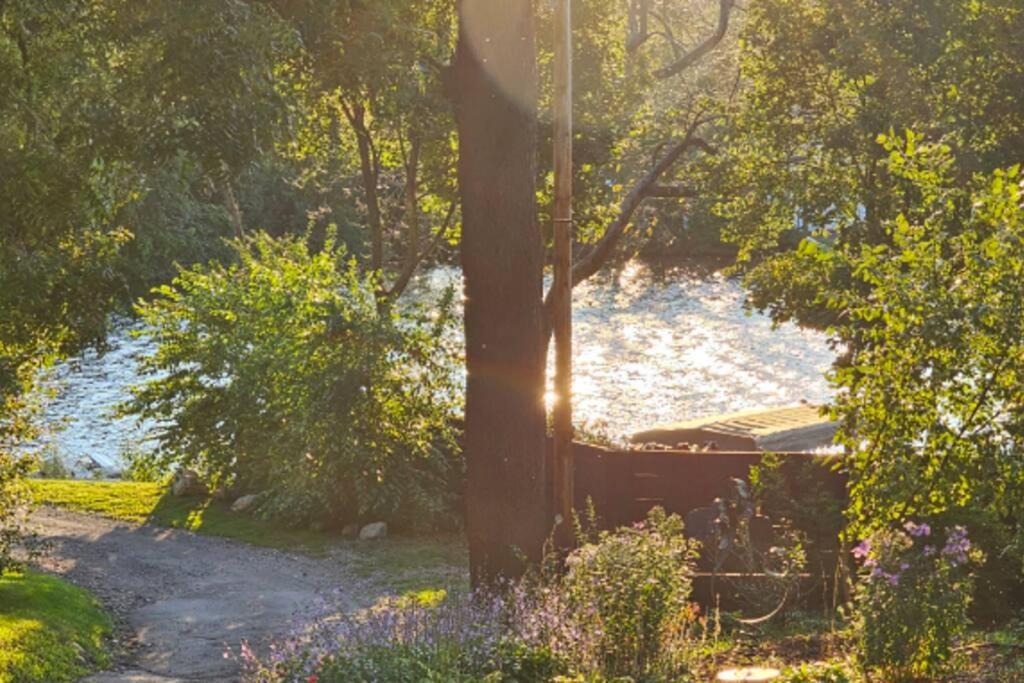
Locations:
(495, 93)
(412, 209)
(370, 177)
(234, 208)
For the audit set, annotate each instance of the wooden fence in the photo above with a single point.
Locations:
(625, 484)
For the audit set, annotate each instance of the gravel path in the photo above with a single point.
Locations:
(181, 598)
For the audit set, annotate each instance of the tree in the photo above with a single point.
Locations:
(494, 82)
(930, 396)
(495, 96)
(824, 78)
(58, 236)
(375, 109)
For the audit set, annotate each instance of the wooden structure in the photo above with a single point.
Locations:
(623, 485)
(792, 429)
(561, 288)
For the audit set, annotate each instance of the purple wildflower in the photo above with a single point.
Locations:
(957, 546)
(918, 530)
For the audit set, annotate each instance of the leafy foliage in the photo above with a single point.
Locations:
(281, 373)
(799, 164)
(631, 589)
(14, 504)
(933, 331)
(912, 599)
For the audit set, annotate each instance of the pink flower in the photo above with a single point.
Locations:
(862, 549)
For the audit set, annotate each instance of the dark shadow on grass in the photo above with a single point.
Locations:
(215, 518)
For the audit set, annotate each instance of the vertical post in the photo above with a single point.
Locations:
(562, 313)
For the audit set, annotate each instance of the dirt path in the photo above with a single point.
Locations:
(183, 598)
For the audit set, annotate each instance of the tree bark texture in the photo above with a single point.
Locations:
(495, 96)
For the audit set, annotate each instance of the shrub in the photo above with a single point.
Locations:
(821, 672)
(629, 590)
(284, 373)
(14, 505)
(912, 599)
(799, 490)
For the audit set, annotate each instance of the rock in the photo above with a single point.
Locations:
(187, 483)
(749, 674)
(225, 493)
(246, 502)
(373, 531)
(87, 464)
(350, 530)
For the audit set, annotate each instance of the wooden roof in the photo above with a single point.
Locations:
(790, 428)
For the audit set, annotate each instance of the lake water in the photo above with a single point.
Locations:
(650, 347)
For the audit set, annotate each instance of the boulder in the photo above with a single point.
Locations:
(187, 483)
(373, 531)
(246, 503)
(350, 530)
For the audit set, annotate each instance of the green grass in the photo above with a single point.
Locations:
(50, 631)
(409, 565)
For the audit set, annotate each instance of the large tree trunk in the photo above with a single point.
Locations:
(495, 91)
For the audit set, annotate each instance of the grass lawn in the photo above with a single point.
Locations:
(50, 631)
(399, 564)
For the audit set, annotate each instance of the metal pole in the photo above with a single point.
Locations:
(562, 313)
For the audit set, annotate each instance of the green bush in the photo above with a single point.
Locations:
(14, 504)
(912, 599)
(821, 672)
(630, 591)
(284, 373)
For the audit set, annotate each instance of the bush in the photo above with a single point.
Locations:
(912, 599)
(820, 672)
(14, 506)
(284, 373)
(630, 589)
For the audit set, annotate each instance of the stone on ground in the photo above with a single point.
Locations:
(373, 531)
(752, 674)
(187, 483)
(245, 503)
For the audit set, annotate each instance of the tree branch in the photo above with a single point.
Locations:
(676, 191)
(601, 251)
(707, 45)
(410, 267)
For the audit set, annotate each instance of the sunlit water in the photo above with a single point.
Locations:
(649, 348)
